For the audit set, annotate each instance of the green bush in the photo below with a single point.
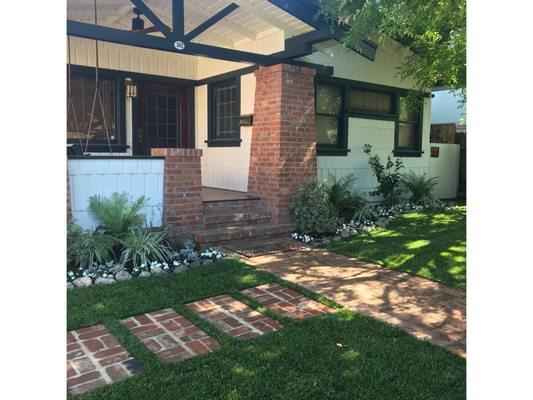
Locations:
(312, 211)
(118, 214)
(342, 195)
(388, 176)
(122, 235)
(141, 246)
(419, 187)
(364, 213)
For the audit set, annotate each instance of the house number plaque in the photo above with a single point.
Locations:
(246, 120)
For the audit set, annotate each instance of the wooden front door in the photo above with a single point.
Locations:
(161, 117)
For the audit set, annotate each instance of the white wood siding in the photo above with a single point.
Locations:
(225, 167)
(445, 168)
(137, 177)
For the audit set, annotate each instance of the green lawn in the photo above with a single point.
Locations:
(341, 356)
(430, 245)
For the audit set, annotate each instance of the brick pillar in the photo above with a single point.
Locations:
(182, 196)
(283, 148)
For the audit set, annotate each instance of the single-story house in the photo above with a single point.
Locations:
(217, 111)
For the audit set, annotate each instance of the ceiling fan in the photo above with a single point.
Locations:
(137, 23)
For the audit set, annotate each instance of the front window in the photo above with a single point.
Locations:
(225, 111)
(408, 127)
(328, 114)
(370, 102)
(79, 110)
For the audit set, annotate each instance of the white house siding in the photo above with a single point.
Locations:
(137, 177)
(225, 167)
(446, 168)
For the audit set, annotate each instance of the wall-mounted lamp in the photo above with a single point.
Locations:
(131, 88)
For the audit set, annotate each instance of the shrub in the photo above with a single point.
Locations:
(364, 213)
(419, 187)
(118, 214)
(312, 211)
(74, 237)
(343, 196)
(94, 247)
(141, 246)
(388, 177)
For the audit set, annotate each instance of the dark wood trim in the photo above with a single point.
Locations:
(223, 142)
(226, 75)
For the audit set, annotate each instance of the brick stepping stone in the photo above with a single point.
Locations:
(169, 335)
(285, 301)
(95, 358)
(234, 317)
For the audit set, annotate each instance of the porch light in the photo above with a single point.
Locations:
(137, 23)
(131, 88)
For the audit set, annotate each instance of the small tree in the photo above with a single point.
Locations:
(388, 176)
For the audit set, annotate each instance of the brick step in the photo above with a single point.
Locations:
(224, 219)
(240, 232)
(232, 206)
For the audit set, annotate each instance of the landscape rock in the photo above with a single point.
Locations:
(123, 276)
(196, 264)
(158, 271)
(336, 238)
(326, 241)
(70, 285)
(354, 232)
(206, 261)
(104, 281)
(345, 233)
(84, 281)
(180, 268)
(144, 274)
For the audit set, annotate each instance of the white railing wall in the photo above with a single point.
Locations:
(445, 168)
(103, 176)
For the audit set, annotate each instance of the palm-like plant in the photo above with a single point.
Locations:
(94, 247)
(342, 195)
(142, 245)
(420, 187)
(364, 213)
(118, 214)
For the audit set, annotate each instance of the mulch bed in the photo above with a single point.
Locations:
(262, 246)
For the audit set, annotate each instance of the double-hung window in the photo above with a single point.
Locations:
(408, 130)
(329, 116)
(224, 111)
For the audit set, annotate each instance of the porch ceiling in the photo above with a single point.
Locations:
(250, 21)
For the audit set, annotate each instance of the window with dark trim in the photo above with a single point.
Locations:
(338, 99)
(112, 94)
(408, 135)
(328, 115)
(224, 110)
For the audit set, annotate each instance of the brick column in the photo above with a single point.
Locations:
(283, 148)
(182, 196)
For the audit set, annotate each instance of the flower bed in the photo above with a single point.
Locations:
(381, 217)
(111, 272)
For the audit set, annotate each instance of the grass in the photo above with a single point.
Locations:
(430, 245)
(341, 356)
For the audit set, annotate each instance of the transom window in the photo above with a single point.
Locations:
(372, 102)
(224, 113)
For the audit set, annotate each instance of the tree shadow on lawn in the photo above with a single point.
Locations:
(429, 249)
(346, 356)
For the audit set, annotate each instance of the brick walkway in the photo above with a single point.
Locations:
(95, 358)
(285, 301)
(234, 317)
(426, 309)
(169, 335)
